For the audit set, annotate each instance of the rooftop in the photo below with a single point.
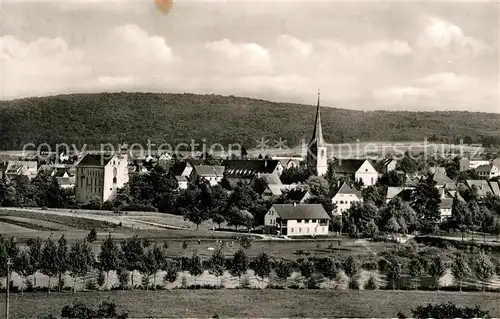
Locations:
(95, 160)
(209, 170)
(301, 211)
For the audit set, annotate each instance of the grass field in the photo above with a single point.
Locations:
(251, 303)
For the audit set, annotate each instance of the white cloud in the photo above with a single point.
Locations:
(44, 66)
(444, 36)
(294, 45)
(226, 56)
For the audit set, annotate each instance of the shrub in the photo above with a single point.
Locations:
(101, 278)
(91, 285)
(371, 283)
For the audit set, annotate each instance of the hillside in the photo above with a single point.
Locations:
(175, 118)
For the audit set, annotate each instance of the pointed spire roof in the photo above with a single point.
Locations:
(318, 131)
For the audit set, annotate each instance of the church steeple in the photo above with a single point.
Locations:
(317, 158)
(318, 131)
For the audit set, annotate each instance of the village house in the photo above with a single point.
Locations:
(482, 186)
(358, 169)
(488, 171)
(345, 197)
(403, 192)
(211, 173)
(27, 168)
(388, 165)
(472, 163)
(100, 175)
(245, 171)
(289, 162)
(297, 220)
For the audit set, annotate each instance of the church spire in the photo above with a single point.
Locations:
(318, 131)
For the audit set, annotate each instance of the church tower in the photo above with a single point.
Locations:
(316, 149)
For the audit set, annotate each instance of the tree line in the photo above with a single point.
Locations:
(93, 119)
(56, 259)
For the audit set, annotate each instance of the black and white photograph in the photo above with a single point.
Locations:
(249, 159)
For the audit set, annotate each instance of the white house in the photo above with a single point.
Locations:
(297, 220)
(360, 169)
(100, 175)
(182, 181)
(488, 171)
(345, 197)
(473, 163)
(212, 173)
(28, 168)
(445, 208)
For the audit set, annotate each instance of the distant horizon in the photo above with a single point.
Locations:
(246, 97)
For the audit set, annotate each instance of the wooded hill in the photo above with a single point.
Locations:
(175, 118)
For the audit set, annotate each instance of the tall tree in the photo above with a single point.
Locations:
(81, 261)
(351, 267)
(217, 264)
(109, 257)
(330, 270)
(425, 200)
(239, 266)
(484, 268)
(437, 269)
(62, 260)
(306, 268)
(416, 269)
(283, 269)
(261, 265)
(48, 262)
(394, 270)
(460, 269)
(195, 266)
(34, 246)
(132, 252)
(23, 266)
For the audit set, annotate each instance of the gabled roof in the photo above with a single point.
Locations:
(178, 167)
(274, 189)
(181, 178)
(249, 168)
(484, 168)
(296, 194)
(349, 166)
(441, 179)
(495, 187)
(301, 211)
(95, 160)
(346, 189)
(483, 187)
(272, 179)
(209, 170)
(403, 192)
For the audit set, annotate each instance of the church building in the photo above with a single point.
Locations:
(317, 157)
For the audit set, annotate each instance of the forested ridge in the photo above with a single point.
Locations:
(173, 118)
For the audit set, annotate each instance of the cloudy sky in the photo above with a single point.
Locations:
(362, 55)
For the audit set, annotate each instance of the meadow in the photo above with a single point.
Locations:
(247, 303)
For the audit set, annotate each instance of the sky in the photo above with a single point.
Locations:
(371, 55)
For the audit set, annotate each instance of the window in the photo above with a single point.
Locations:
(341, 201)
(299, 220)
(308, 230)
(322, 229)
(300, 230)
(314, 220)
(291, 230)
